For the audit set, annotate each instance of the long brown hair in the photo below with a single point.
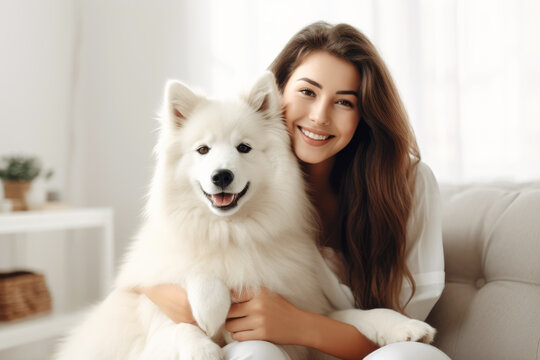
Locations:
(373, 175)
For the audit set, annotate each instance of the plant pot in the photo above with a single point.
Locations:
(16, 191)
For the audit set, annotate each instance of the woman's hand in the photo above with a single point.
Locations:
(264, 315)
(172, 300)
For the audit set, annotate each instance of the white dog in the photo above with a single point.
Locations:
(227, 211)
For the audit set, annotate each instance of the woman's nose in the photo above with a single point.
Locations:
(320, 113)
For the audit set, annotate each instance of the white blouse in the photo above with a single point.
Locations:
(424, 254)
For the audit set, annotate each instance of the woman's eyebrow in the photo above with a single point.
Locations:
(314, 83)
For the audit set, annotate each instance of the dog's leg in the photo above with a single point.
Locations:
(112, 330)
(180, 341)
(384, 326)
(210, 301)
(167, 340)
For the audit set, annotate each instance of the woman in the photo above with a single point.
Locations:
(379, 206)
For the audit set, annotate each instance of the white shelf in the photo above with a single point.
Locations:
(42, 327)
(31, 221)
(36, 328)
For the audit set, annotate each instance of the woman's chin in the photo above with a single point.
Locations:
(309, 158)
(313, 155)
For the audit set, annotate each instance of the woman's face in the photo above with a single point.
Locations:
(321, 106)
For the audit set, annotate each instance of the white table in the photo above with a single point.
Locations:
(41, 327)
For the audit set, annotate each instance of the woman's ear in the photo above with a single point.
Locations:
(180, 101)
(264, 96)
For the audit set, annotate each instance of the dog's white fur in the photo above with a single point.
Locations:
(267, 240)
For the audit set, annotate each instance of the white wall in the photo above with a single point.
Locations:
(36, 64)
(36, 72)
(127, 52)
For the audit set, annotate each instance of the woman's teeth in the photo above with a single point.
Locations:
(313, 136)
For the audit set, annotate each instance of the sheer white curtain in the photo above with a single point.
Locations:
(467, 71)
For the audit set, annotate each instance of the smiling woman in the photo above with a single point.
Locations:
(320, 102)
(362, 179)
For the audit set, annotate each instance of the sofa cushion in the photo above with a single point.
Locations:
(490, 307)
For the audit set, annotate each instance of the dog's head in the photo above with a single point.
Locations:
(223, 149)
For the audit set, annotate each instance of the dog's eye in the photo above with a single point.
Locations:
(203, 150)
(243, 148)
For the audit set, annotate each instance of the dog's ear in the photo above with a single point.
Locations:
(180, 101)
(264, 96)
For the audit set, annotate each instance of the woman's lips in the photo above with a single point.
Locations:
(313, 137)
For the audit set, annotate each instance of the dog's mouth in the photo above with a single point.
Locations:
(225, 201)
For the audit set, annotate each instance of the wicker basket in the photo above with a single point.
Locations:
(22, 293)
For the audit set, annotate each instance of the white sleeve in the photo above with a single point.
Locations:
(424, 254)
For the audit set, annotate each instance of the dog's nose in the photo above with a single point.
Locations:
(222, 178)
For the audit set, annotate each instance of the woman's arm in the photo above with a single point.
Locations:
(268, 316)
(335, 338)
(172, 300)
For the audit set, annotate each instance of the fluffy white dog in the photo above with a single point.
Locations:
(227, 211)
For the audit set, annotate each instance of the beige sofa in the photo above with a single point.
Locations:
(490, 307)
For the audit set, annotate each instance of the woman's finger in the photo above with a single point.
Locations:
(238, 324)
(242, 295)
(238, 311)
(245, 335)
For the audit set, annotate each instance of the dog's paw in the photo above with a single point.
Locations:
(210, 302)
(212, 321)
(408, 330)
(201, 349)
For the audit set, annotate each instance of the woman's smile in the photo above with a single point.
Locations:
(321, 106)
(314, 137)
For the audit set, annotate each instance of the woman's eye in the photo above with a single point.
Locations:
(243, 148)
(346, 103)
(203, 150)
(307, 92)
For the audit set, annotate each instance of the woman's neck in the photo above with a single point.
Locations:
(324, 198)
(319, 176)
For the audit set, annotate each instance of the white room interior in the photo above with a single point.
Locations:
(82, 83)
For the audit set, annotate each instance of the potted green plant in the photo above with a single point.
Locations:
(17, 173)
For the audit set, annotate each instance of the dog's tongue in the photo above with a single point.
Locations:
(222, 199)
